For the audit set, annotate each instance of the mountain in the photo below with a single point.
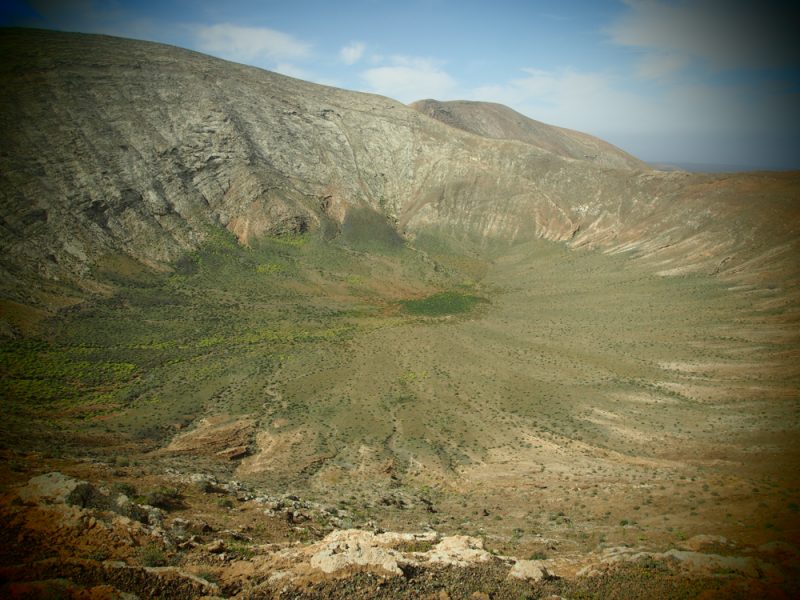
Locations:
(251, 326)
(499, 122)
(118, 146)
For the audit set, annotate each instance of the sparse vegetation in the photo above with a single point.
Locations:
(545, 365)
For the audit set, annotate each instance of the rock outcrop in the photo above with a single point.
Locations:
(350, 549)
(75, 549)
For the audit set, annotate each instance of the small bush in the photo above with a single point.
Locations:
(241, 550)
(165, 498)
(125, 488)
(415, 546)
(152, 556)
(205, 486)
(99, 554)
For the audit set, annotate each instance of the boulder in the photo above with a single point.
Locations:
(57, 488)
(355, 548)
(704, 541)
(530, 570)
(459, 550)
(714, 563)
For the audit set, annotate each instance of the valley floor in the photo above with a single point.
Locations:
(555, 404)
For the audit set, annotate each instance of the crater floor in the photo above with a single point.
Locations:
(580, 400)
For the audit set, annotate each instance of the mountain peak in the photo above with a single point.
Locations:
(497, 121)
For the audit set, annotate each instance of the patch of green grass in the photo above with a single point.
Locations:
(368, 230)
(442, 304)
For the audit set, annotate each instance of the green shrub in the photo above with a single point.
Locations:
(165, 498)
(152, 556)
(125, 488)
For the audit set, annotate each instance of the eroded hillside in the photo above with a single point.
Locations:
(115, 146)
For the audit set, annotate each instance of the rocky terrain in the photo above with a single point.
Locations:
(265, 338)
(108, 546)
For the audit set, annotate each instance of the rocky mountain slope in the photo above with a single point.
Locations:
(499, 122)
(118, 146)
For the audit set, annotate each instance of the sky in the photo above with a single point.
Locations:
(714, 82)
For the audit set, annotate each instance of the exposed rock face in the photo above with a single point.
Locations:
(56, 488)
(59, 489)
(88, 546)
(117, 146)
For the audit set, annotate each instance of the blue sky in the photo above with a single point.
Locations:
(702, 81)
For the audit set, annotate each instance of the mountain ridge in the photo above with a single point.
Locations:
(116, 145)
(496, 121)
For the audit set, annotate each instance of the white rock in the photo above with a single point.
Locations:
(54, 488)
(353, 547)
(393, 538)
(459, 550)
(532, 570)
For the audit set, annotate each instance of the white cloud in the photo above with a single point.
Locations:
(604, 105)
(352, 53)
(249, 44)
(700, 122)
(728, 34)
(589, 102)
(408, 79)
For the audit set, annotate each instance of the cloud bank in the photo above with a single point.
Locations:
(249, 44)
(410, 78)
